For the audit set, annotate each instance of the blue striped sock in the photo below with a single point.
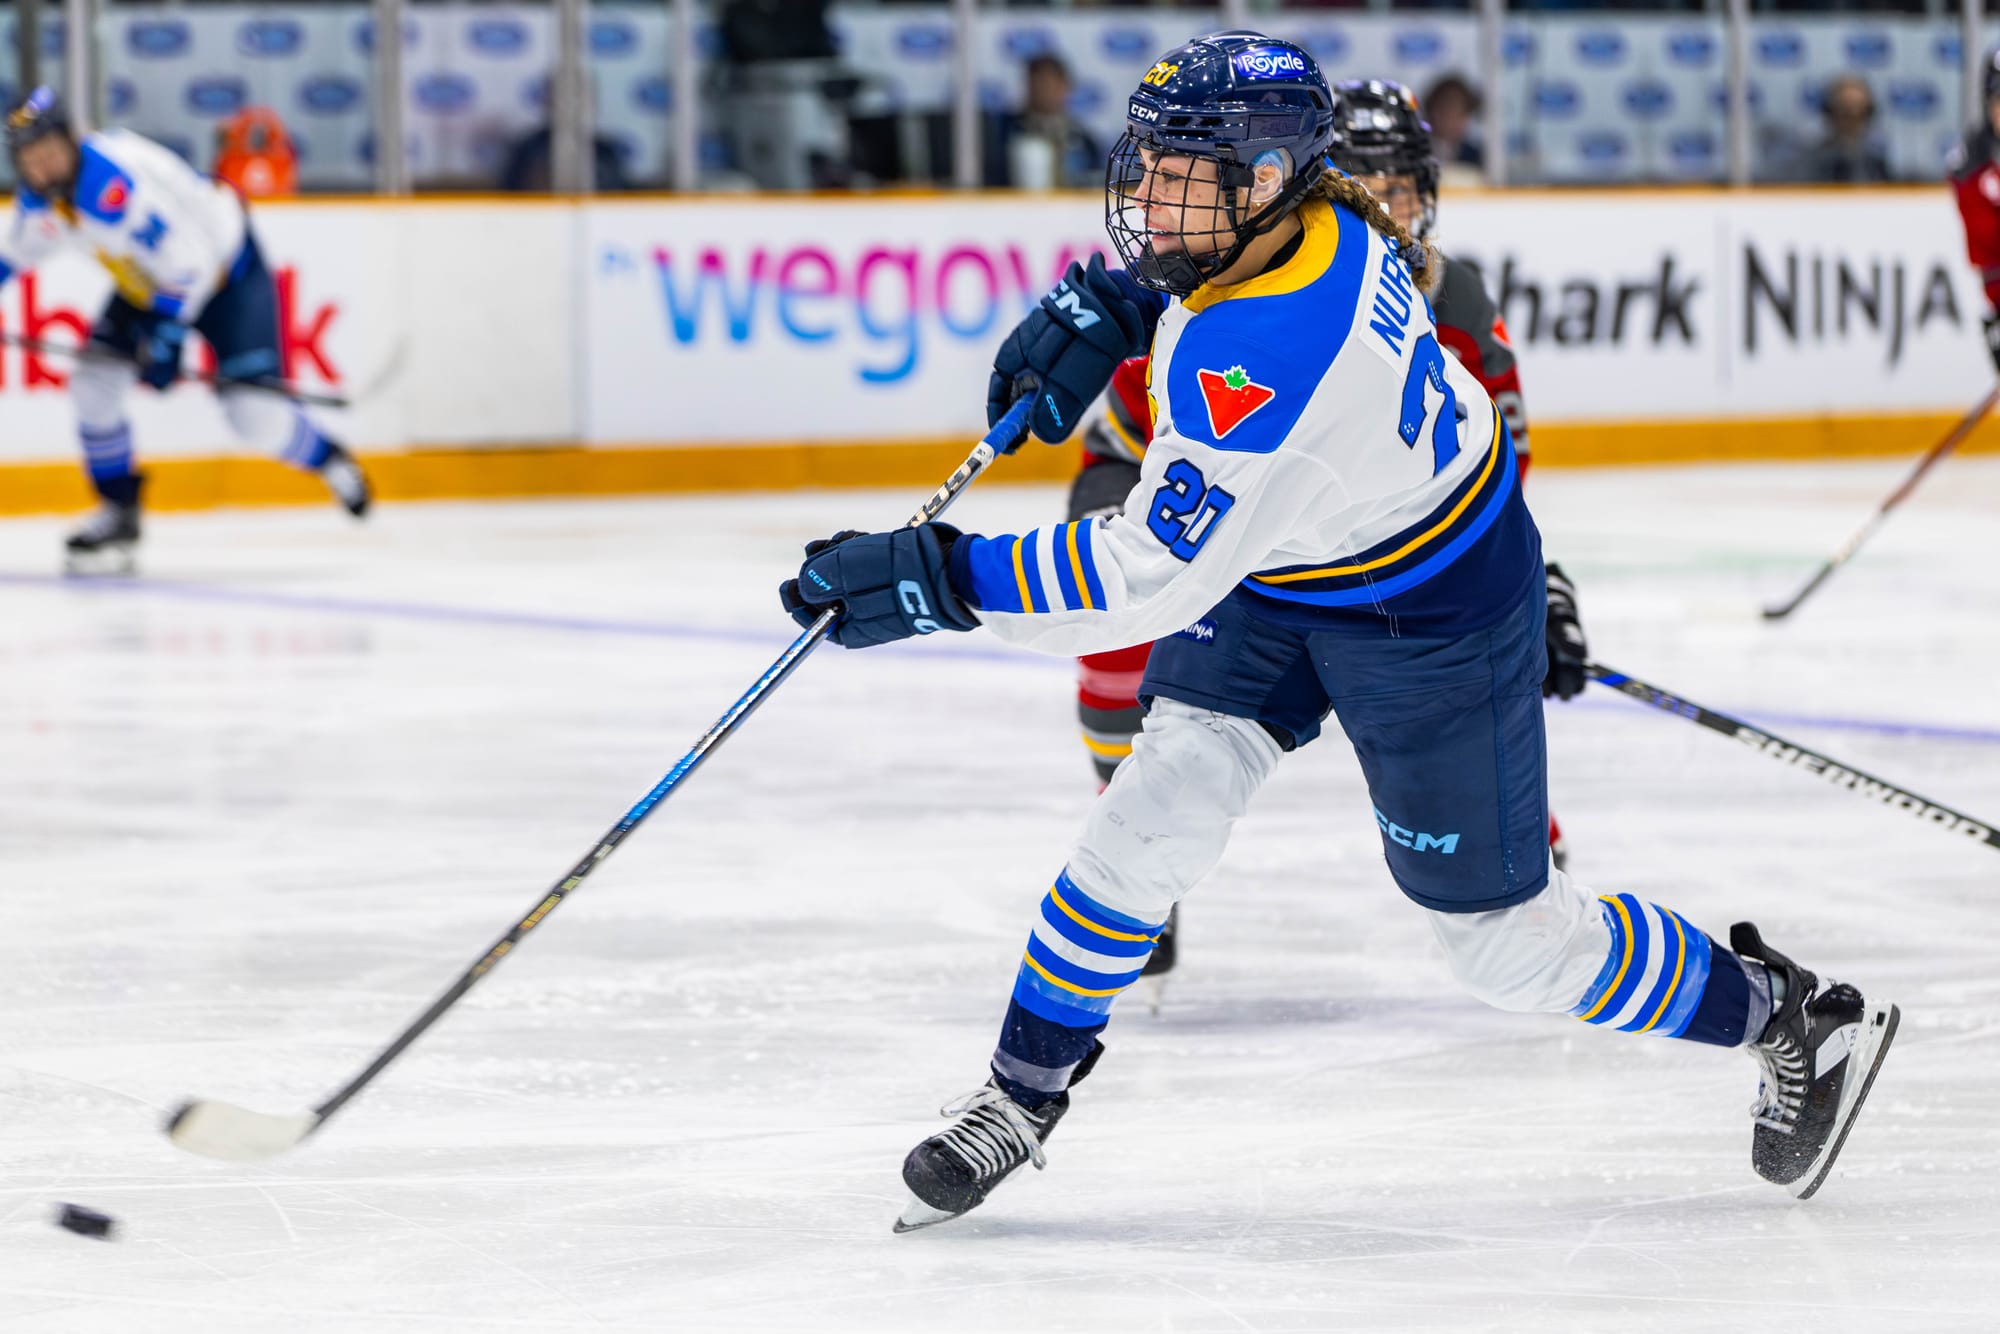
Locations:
(107, 453)
(307, 449)
(1081, 956)
(1662, 975)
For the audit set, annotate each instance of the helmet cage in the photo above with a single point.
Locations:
(1177, 271)
(1422, 168)
(1379, 132)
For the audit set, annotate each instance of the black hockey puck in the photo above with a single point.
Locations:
(86, 1222)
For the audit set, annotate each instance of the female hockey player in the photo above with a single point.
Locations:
(1382, 141)
(182, 255)
(1329, 514)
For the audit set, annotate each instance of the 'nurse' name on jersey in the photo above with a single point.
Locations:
(1395, 295)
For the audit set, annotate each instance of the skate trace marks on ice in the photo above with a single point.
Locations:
(257, 818)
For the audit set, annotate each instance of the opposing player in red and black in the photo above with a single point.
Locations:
(1385, 143)
(1974, 167)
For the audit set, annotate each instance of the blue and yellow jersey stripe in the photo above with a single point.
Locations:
(1413, 556)
(1048, 570)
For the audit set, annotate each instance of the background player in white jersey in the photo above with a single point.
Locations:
(182, 254)
(1330, 509)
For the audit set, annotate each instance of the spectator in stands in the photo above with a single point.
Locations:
(530, 161)
(1850, 153)
(1452, 108)
(530, 164)
(1045, 146)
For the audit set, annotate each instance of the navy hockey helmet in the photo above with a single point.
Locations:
(1380, 132)
(38, 116)
(1242, 101)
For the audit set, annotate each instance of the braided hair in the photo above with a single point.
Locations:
(1425, 261)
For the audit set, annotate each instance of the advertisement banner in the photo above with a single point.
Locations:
(767, 320)
(715, 324)
(335, 281)
(844, 321)
(1716, 306)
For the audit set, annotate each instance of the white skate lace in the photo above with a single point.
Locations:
(993, 1132)
(1782, 1092)
(103, 523)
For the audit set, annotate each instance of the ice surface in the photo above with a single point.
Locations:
(259, 806)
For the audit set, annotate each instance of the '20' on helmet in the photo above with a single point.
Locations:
(1378, 131)
(1223, 137)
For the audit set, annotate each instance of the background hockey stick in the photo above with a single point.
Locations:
(305, 397)
(1901, 493)
(223, 1130)
(1864, 785)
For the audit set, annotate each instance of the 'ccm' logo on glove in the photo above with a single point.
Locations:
(914, 604)
(1066, 299)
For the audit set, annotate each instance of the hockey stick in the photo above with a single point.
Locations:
(305, 397)
(1864, 785)
(1901, 493)
(223, 1130)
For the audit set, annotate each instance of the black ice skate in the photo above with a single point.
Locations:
(343, 476)
(953, 1171)
(1817, 1058)
(106, 542)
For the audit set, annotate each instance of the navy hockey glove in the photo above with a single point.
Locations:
(889, 585)
(160, 354)
(1568, 653)
(1071, 342)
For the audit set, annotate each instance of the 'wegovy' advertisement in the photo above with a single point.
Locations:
(812, 319)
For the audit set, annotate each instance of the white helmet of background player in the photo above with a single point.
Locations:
(1382, 141)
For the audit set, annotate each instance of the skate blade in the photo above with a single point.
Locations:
(1878, 1030)
(116, 562)
(917, 1215)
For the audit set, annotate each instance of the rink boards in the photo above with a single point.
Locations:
(651, 344)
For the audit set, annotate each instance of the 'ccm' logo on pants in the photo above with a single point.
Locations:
(1410, 838)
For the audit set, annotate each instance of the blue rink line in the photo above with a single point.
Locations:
(772, 641)
(433, 614)
(1985, 736)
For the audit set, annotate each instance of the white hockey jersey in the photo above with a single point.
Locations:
(169, 235)
(1312, 443)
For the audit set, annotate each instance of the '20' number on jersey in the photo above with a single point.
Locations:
(1186, 510)
(1427, 371)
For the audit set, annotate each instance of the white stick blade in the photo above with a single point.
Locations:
(235, 1134)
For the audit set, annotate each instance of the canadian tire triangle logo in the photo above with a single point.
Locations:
(1232, 397)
